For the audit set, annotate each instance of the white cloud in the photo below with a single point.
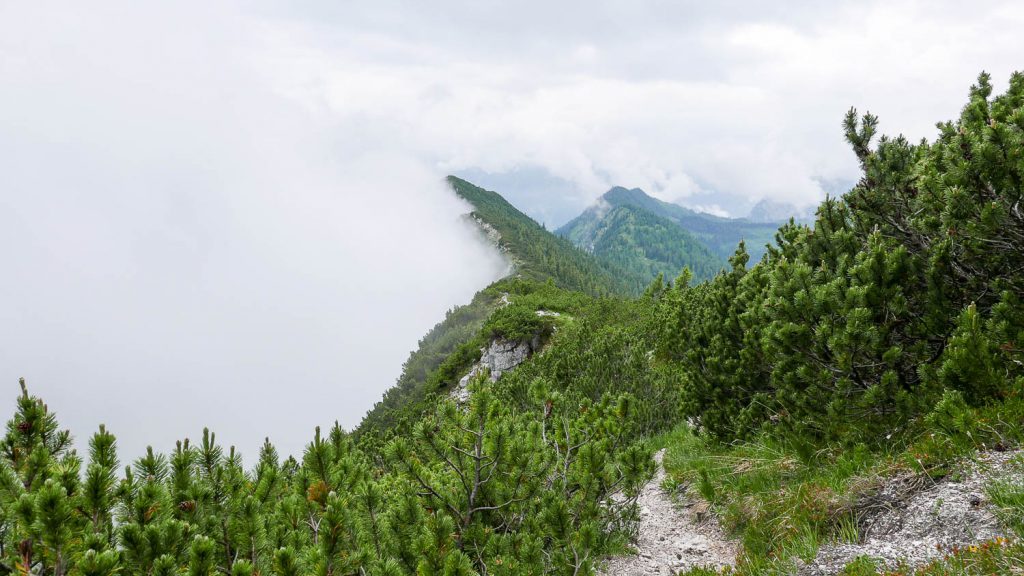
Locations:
(713, 209)
(184, 247)
(204, 203)
(743, 102)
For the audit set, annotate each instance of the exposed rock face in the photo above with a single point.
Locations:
(499, 357)
(492, 235)
(503, 355)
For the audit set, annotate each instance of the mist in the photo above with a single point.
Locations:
(183, 245)
(233, 214)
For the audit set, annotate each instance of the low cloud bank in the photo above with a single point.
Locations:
(184, 246)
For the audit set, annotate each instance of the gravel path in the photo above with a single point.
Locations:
(672, 537)
(916, 527)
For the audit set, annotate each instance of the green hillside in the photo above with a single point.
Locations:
(721, 235)
(637, 240)
(539, 255)
(460, 328)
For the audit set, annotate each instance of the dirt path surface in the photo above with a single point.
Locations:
(673, 537)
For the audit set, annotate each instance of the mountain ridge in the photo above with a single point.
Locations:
(852, 404)
(719, 234)
(537, 256)
(542, 254)
(648, 244)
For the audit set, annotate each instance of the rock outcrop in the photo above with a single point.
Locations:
(923, 525)
(490, 233)
(500, 356)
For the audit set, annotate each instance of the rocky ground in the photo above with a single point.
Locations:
(672, 536)
(907, 521)
(922, 524)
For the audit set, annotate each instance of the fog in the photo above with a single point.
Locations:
(233, 213)
(183, 246)
(715, 105)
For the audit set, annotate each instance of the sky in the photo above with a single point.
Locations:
(233, 213)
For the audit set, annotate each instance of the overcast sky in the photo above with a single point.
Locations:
(234, 214)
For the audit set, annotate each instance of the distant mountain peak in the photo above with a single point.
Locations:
(773, 211)
(622, 195)
(720, 234)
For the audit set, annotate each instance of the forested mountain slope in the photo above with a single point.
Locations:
(721, 235)
(640, 241)
(536, 254)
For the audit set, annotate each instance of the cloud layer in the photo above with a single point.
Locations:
(183, 246)
(233, 213)
(723, 104)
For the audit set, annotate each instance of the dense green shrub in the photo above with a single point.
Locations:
(473, 489)
(907, 285)
(516, 322)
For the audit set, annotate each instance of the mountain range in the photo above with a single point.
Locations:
(636, 230)
(770, 211)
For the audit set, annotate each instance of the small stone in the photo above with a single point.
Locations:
(700, 510)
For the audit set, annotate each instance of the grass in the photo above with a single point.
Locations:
(782, 503)
(861, 566)
(780, 507)
(1008, 497)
